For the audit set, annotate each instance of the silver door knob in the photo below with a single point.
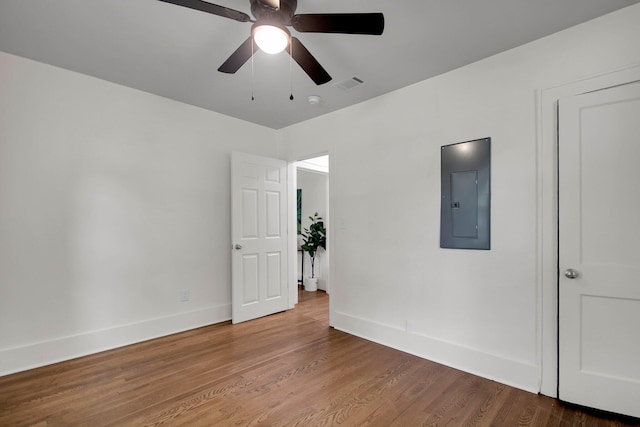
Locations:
(570, 273)
(238, 247)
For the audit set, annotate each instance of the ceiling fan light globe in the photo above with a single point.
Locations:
(270, 39)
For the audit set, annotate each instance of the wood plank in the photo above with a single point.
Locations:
(282, 370)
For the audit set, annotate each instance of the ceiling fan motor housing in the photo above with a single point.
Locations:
(265, 12)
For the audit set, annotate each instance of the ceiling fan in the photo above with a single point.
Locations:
(269, 31)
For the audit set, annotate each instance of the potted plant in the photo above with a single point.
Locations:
(313, 238)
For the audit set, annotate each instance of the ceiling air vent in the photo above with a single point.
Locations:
(349, 84)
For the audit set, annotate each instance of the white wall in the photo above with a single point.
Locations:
(112, 201)
(479, 311)
(315, 187)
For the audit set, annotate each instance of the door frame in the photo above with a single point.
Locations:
(547, 212)
(293, 238)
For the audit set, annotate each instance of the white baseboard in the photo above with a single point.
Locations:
(522, 375)
(44, 353)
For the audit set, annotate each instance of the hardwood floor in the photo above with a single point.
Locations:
(282, 370)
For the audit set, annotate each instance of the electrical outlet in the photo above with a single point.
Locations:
(184, 295)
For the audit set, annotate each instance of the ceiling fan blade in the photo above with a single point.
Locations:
(214, 9)
(307, 62)
(239, 57)
(344, 23)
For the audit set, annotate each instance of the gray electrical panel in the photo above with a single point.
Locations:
(465, 212)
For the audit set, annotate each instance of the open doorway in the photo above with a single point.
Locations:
(312, 192)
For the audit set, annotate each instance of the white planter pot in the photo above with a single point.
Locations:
(310, 284)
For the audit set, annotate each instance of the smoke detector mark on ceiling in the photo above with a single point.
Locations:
(349, 84)
(314, 99)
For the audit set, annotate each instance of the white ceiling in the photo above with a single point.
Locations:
(175, 52)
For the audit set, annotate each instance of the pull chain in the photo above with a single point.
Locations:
(252, 84)
(291, 68)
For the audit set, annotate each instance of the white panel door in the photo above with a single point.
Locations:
(259, 236)
(599, 249)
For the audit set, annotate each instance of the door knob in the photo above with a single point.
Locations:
(238, 247)
(570, 273)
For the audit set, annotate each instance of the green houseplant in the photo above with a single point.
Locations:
(314, 238)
